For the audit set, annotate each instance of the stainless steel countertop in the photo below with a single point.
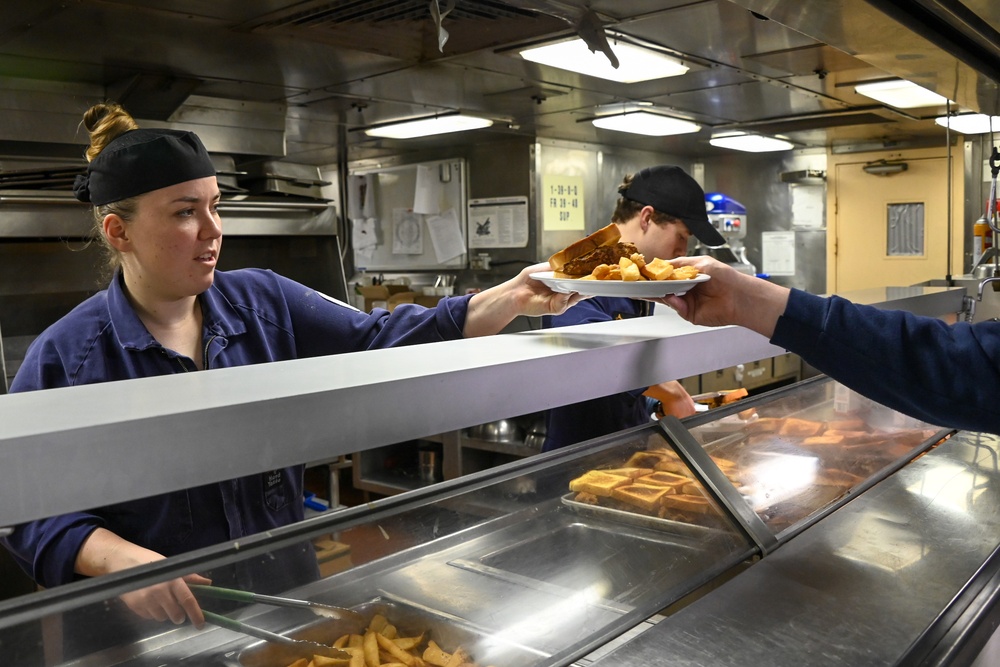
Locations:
(269, 416)
(856, 589)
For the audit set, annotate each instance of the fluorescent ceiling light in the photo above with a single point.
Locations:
(751, 143)
(635, 63)
(643, 122)
(422, 127)
(900, 94)
(971, 123)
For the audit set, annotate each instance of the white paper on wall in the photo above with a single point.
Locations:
(446, 235)
(427, 198)
(778, 250)
(498, 222)
(364, 236)
(407, 232)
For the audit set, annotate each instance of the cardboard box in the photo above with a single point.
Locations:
(400, 297)
(374, 294)
(377, 296)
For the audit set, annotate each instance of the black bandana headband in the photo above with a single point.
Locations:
(141, 161)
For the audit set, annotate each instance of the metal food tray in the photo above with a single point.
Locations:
(641, 520)
(411, 620)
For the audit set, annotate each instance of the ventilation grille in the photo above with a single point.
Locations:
(334, 14)
(405, 29)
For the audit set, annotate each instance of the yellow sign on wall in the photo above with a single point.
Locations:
(562, 203)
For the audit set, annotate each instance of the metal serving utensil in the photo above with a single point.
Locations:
(298, 648)
(325, 610)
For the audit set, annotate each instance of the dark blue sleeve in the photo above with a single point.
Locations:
(325, 326)
(945, 374)
(47, 549)
(597, 309)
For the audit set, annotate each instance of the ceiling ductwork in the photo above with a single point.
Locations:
(152, 96)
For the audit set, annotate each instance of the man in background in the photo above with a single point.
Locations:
(658, 210)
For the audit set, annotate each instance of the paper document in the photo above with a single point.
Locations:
(446, 235)
(407, 232)
(427, 198)
(364, 237)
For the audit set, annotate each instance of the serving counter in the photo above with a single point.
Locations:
(806, 524)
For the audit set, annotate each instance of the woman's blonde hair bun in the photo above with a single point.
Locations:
(105, 122)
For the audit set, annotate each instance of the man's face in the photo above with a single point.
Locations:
(665, 240)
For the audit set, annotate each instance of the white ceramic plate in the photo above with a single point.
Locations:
(635, 289)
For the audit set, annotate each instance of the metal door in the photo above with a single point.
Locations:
(890, 229)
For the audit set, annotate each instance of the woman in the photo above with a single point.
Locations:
(658, 211)
(167, 310)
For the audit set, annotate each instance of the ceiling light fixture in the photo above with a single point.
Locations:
(900, 93)
(751, 143)
(423, 127)
(635, 63)
(644, 122)
(970, 123)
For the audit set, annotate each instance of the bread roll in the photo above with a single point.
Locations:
(824, 439)
(608, 235)
(598, 483)
(644, 496)
(846, 425)
(674, 465)
(690, 504)
(800, 427)
(645, 459)
(662, 478)
(630, 472)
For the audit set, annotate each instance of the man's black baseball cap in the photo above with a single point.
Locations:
(670, 190)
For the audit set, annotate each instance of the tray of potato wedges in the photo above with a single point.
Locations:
(397, 634)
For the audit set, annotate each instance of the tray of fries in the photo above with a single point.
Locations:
(397, 634)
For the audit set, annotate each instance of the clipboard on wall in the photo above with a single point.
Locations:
(409, 217)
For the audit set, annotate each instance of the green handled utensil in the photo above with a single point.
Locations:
(325, 610)
(297, 648)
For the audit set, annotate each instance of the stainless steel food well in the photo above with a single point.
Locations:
(504, 555)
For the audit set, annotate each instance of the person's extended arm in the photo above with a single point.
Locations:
(730, 297)
(493, 309)
(940, 373)
(103, 552)
(314, 325)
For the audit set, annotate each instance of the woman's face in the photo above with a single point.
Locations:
(173, 242)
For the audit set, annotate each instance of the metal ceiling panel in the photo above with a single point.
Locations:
(863, 29)
(746, 102)
(332, 66)
(721, 33)
(807, 59)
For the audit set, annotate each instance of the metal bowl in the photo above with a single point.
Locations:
(534, 440)
(502, 430)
